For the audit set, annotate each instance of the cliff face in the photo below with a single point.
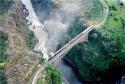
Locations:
(21, 61)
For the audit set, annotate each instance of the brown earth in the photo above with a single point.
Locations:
(21, 60)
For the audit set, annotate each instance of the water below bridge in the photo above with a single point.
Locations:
(68, 73)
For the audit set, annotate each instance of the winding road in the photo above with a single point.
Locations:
(79, 38)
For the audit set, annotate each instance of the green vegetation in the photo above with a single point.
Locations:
(96, 11)
(52, 76)
(100, 58)
(41, 59)
(105, 50)
(5, 5)
(116, 15)
(3, 47)
(30, 39)
(3, 79)
(74, 29)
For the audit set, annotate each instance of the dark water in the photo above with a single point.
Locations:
(67, 72)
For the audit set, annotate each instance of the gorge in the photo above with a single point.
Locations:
(36, 34)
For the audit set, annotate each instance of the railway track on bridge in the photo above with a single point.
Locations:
(74, 41)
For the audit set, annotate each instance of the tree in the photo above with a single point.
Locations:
(100, 55)
(5, 5)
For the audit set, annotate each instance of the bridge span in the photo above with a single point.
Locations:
(82, 37)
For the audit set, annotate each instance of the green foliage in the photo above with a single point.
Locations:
(2, 65)
(5, 5)
(75, 28)
(113, 8)
(52, 75)
(40, 82)
(104, 50)
(3, 47)
(117, 12)
(121, 4)
(18, 24)
(96, 11)
(41, 59)
(3, 79)
(30, 39)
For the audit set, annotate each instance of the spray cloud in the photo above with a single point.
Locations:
(57, 19)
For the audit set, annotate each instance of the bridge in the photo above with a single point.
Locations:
(82, 37)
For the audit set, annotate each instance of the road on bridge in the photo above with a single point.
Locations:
(70, 44)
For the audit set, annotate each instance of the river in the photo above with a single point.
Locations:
(36, 26)
(68, 73)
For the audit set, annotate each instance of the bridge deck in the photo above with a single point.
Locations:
(60, 53)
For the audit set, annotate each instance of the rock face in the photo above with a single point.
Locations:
(37, 27)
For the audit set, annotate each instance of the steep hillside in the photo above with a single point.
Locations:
(20, 60)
